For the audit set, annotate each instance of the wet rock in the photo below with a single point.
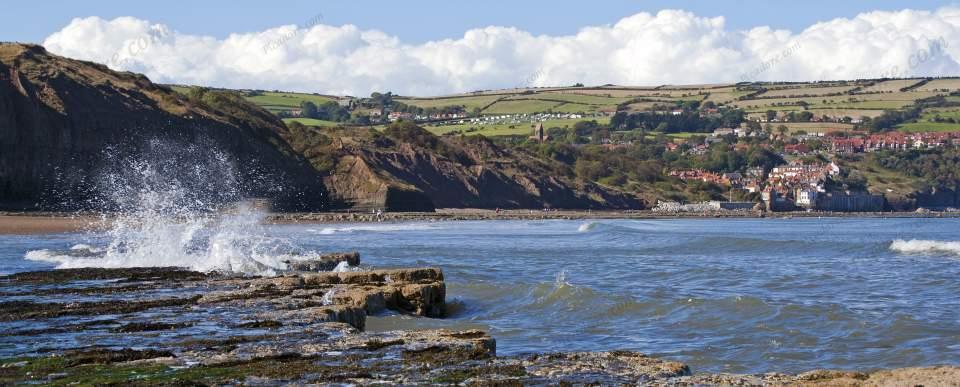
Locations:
(306, 328)
(618, 367)
(92, 274)
(423, 299)
(265, 324)
(424, 275)
(148, 327)
(107, 356)
(420, 292)
(354, 316)
(917, 376)
(324, 263)
(24, 310)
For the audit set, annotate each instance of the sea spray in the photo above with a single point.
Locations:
(918, 246)
(178, 205)
(327, 298)
(587, 227)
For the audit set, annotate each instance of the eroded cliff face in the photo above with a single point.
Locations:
(62, 121)
(372, 170)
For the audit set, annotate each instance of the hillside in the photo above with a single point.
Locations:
(63, 122)
(408, 168)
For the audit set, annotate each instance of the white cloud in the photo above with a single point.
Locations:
(670, 47)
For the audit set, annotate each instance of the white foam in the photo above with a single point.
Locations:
(373, 228)
(327, 298)
(918, 246)
(586, 227)
(344, 267)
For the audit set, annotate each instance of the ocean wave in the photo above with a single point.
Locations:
(586, 227)
(373, 228)
(919, 246)
(613, 228)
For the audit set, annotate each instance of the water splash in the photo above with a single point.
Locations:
(587, 227)
(561, 280)
(178, 205)
(327, 298)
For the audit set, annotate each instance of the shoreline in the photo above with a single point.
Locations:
(279, 331)
(32, 223)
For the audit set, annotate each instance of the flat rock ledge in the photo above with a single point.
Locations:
(169, 326)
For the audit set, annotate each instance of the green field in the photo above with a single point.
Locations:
(507, 129)
(811, 91)
(468, 102)
(924, 123)
(872, 100)
(285, 101)
(881, 105)
(929, 127)
(521, 106)
(272, 101)
(312, 122)
(576, 98)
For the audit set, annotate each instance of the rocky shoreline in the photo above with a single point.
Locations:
(174, 326)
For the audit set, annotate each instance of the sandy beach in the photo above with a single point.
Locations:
(45, 224)
(49, 223)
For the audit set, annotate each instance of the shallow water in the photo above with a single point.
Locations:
(719, 294)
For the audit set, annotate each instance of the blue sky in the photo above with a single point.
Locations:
(435, 47)
(419, 21)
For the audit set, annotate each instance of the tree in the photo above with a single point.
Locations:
(771, 115)
(691, 105)
(782, 129)
(308, 109)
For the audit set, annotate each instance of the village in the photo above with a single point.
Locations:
(804, 183)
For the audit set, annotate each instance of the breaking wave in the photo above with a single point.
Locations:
(373, 228)
(919, 246)
(178, 206)
(587, 227)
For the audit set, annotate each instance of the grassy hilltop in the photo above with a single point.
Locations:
(829, 102)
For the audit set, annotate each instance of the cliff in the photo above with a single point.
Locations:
(62, 121)
(405, 168)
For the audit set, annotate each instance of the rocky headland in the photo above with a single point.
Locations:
(304, 325)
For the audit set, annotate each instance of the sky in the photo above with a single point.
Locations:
(438, 47)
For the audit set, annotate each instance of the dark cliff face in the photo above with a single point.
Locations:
(63, 121)
(421, 171)
(937, 198)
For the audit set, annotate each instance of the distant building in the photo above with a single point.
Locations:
(539, 133)
(796, 149)
(723, 132)
(850, 202)
(806, 197)
(348, 102)
(848, 145)
(395, 116)
(735, 179)
(731, 206)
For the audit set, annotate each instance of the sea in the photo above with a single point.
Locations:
(722, 295)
